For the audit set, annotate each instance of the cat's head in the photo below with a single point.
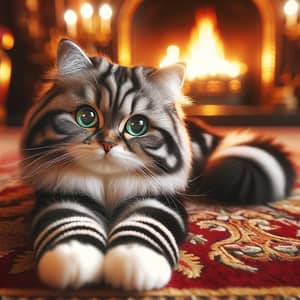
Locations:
(100, 118)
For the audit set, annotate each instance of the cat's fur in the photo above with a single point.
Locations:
(108, 201)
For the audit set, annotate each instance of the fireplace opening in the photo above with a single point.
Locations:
(157, 25)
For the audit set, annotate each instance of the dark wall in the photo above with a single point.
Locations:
(29, 58)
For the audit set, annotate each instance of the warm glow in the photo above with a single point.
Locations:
(105, 11)
(205, 54)
(291, 7)
(267, 59)
(70, 17)
(86, 10)
(7, 41)
(172, 56)
(5, 70)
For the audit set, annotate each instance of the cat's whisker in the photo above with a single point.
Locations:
(47, 147)
(195, 178)
(204, 194)
(34, 160)
(48, 165)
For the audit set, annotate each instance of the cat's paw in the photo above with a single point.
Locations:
(135, 267)
(71, 264)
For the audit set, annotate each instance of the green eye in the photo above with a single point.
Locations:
(86, 117)
(137, 125)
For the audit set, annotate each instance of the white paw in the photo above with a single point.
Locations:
(135, 267)
(71, 264)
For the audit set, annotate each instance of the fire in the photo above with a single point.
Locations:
(205, 56)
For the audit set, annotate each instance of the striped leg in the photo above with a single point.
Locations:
(69, 242)
(143, 244)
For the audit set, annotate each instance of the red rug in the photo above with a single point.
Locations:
(231, 252)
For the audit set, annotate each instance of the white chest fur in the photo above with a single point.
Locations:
(111, 189)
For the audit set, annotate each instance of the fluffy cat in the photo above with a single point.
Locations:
(109, 154)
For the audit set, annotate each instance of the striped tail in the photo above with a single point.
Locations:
(247, 169)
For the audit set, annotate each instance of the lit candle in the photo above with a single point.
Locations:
(87, 12)
(291, 9)
(105, 14)
(5, 74)
(70, 18)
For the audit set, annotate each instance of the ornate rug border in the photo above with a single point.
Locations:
(223, 292)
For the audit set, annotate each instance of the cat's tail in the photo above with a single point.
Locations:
(248, 169)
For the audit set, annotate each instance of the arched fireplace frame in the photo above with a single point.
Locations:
(268, 53)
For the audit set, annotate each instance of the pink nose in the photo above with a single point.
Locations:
(107, 146)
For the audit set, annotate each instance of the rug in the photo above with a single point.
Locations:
(231, 252)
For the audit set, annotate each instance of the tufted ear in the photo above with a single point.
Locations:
(70, 58)
(169, 78)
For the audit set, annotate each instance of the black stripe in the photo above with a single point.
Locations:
(135, 102)
(163, 217)
(120, 76)
(163, 234)
(135, 79)
(148, 234)
(55, 215)
(84, 239)
(171, 112)
(167, 220)
(102, 81)
(95, 230)
(46, 99)
(281, 156)
(44, 199)
(172, 148)
(170, 201)
(196, 133)
(130, 91)
(41, 124)
(98, 97)
(67, 127)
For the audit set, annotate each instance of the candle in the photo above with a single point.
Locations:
(105, 14)
(87, 12)
(5, 74)
(70, 18)
(291, 9)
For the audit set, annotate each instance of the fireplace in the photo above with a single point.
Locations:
(247, 30)
(250, 64)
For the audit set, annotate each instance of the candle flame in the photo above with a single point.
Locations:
(105, 11)
(70, 17)
(86, 10)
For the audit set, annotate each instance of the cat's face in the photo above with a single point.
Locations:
(106, 119)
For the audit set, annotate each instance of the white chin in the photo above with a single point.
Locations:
(106, 166)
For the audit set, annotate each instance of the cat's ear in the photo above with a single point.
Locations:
(71, 58)
(170, 77)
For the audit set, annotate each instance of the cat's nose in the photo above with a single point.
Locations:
(107, 146)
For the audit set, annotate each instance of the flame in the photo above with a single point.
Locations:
(205, 55)
(172, 56)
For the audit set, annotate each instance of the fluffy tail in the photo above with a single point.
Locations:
(247, 169)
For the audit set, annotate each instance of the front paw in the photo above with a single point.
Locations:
(135, 267)
(71, 264)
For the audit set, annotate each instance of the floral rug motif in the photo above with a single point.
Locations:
(231, 252)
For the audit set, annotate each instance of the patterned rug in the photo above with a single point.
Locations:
(231, 252)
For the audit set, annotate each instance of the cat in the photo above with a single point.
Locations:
(110, 155)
